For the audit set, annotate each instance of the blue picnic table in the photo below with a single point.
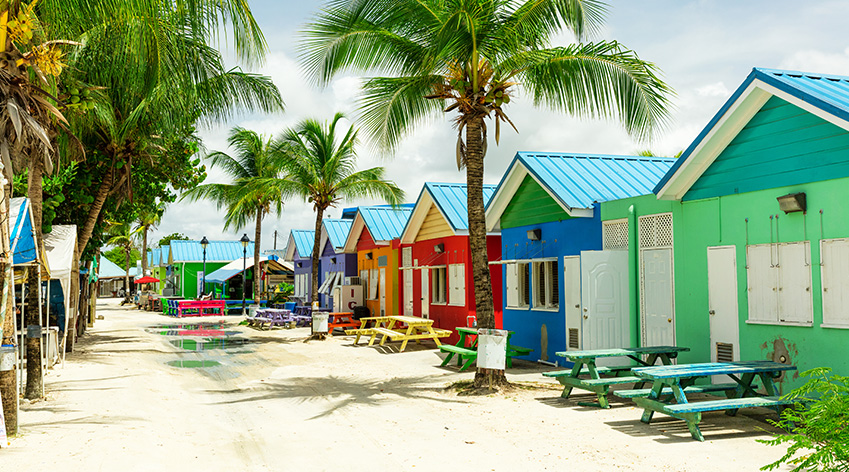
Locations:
(671, 383)
(585, 364)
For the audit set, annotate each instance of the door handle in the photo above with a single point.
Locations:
(585, 309)
(669, 320)
(577, 306)
(586, 317)
(712, 312)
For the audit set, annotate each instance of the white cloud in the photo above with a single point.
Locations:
(813, 60)
(717, 89)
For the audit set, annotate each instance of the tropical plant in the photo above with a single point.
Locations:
(321, 168)
(251, 195)
(148, 218)
(470, 57)
(166, 240)
(817, 425)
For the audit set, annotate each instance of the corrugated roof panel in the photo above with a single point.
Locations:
(165, 255)
(579, 180)
(304, 241)
(385, 223)
(337, 230)
(217, 251)
(452, 200)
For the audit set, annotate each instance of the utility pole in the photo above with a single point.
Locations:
(275, 239)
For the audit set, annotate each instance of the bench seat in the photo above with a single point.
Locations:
(520, 351)
(709, 388)
(585, 371)
(611, 381)
(727, 404)
(458, 350)
(387, 332)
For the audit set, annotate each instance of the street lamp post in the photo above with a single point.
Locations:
(204, 243)
(245, 240)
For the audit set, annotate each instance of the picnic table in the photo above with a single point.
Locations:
(585, 363)
(676, 381)
(342, 319)
(388, 326)
(470, 354)
(272, 316)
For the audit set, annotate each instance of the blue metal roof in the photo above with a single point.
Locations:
(153, 257)
(579, 180)
(452, 200)
(110, 270)
(385, 223)
(304, 241)
(217, 251)
(337, 230)
(827, 92)
(165, 255)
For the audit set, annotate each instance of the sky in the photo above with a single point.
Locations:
(704, 48)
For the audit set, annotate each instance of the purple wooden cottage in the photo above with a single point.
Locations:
(299, 253)
(335, 265)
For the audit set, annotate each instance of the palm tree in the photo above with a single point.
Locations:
(122, 235)
(322, 170)
(469, 57)
(148, 218)
(258, 163)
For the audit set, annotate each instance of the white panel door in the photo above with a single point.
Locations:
(382, 292)
(572, 300)
(425, 292)
(408, 292)
(658, 308)
(834, 254)
(722, 304)
(605, 300)
(762, 283)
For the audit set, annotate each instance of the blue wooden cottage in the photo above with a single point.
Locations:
(546, 207)
(334, 264)
(299, 254)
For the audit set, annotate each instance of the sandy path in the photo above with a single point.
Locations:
(280, 404)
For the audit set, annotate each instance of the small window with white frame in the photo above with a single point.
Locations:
(457, 284)
(438, 285)
(517, 286)
(546, 285)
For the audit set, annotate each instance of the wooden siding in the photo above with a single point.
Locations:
(531, 205)
(781, 145)
(434, 226)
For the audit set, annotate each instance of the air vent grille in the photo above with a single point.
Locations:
(724, 352)
(573, 338)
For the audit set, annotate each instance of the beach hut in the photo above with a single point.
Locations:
(337, 268)
(185, 264)
(760, 237)
(564, 274)
(435, 279)
(272, 272)
(299, 254)
(374, 239)
(111, 277)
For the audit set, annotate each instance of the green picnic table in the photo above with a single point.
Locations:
(680, 379)
(470, 354)
(585, 363)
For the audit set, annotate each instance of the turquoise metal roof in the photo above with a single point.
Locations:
(827, 92)
(337, 230)
(153, 257)
(579, 180)
(165, 255)
(385, 223)
(109, 270)
(304, 241)
(452, 200)
(217, 251)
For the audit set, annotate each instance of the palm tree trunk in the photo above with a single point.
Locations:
(33, 313)
(144, 251)
(319, 214)
(94, 210)
(127, 274)
(8, 378)
(484, 310)
(257, 237)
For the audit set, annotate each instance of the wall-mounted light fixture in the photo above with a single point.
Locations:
(792, 202)
(439, 248)
(369, 256)
(534, 234)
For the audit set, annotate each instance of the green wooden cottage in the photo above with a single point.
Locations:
(743, 253)
(180, 267)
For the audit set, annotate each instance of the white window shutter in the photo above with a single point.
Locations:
(374, 281)
(795, 298)
(512, 285)
(457, 284)
(835, 282)
(762, 283)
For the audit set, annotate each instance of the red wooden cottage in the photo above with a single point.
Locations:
(435, 274)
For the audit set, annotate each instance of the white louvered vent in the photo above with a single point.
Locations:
(655, 231)
(407, 257)
(614, 234)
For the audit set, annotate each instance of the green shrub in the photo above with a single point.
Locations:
(817, 427)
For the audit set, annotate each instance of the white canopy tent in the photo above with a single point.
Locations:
(60, 245)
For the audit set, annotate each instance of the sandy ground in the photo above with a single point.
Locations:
(278, 403)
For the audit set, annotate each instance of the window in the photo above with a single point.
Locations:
(835, 278)
(546, 285)
(301, 281)
(457, 281)
(518, 293)
(364, 280)
(373, 284)
(438, 285)
(779, 283)
(406, 257)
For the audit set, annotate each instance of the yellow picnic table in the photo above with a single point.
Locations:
(416, 329)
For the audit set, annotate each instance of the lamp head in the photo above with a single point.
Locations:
(204, 242)
(245, 240)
